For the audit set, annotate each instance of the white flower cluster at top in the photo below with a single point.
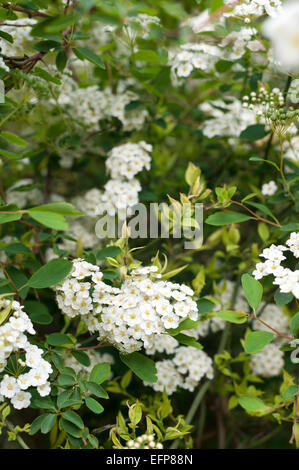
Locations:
(20, 31)
(187, 367)
(226, 118)
(145, 441)
(282, 30)
(130, 316)
(94, 357)
(192, 56)
(268, 362)
(32, 370)
(252, 9)
(285, 278)
(268, 189)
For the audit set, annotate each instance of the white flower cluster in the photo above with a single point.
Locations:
(285, 278)
(264, 103)
(17, 194)
(121, 192)
(192, 56)
(188, 366)
(90, 104)
(282, 30)
(139, 25)
(33, 371)
(20, 31)
(268, 189)
(119, 197)
(145, 441)
(268, 362)
(125, 161)
(240, 42)
(252, 9)
(226, 119)
(89, 202)
(94, 357)
(127, 317)
(293, 93)
(291, 149)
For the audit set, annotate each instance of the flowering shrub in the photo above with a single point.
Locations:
(126, 115)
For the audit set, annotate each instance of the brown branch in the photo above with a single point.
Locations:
(262, 219)
(93, 347)
(290, 338)
(30, 13)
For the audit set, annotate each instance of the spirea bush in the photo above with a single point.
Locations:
(112, 109)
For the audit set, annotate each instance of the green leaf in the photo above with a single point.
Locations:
(290, 392)
(74, 418)
(63, 208)
(70, 428)
(109, 251)
(43, 402)
(58, 339)
(42, 73)
(146, 56)
(65, 380)
(252, 403)
(97, 390)
(12, 155)
(38, 312)
(81, 357)
(295, 323)
(4, 218)
(36, 424)
(63, 398)
(262, 208)
(257, 340)
(205, 306)
(84, 53)
(6, 36)
(47, 423)
(93, 405)
(225, 218)
(188, 341)
(141, 365)
(232, 316)
(282, 298)
(17, 248)
(50, 219)
(100, 373)
(12, 138)
(254, 132)
(50, 274)
(186, 324)
(253, 290)
(61, 61)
